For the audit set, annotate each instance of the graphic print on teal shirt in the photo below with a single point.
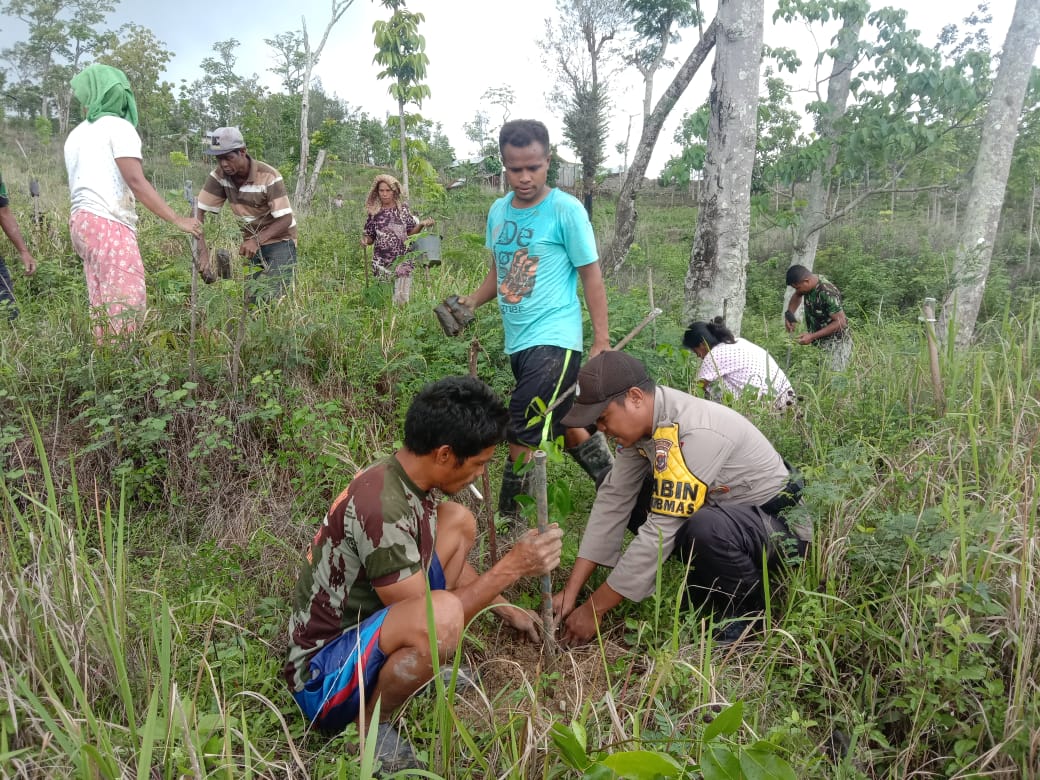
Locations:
(537, 252)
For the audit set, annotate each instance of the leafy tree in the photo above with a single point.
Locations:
(975, 248)
(439, 150)
(585, 129)
(692, 137)
(845, 52)
(401, 51)
(221, 84)
(716, 279)
(290, 60)
(777, 134)
(656, 24)
(890, 102)
(478, 131)
(374, 140)
(142, 57)
(1022, 178)
(62, 35)
(582, 49)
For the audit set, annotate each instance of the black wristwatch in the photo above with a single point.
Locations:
(790, 317)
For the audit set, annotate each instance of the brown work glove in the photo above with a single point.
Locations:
(205, 265)
(453, 316)
(224, 263)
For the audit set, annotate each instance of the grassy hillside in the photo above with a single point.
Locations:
(156, 497)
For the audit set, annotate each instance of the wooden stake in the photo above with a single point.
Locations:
(928, 318)
(194, 208)
(489, 510)
(653, 306)
(541, 498)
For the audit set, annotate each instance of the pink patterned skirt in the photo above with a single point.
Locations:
(113, 269)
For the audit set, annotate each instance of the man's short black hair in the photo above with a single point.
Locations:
(460, 411)
(797, 273)
(521, 133)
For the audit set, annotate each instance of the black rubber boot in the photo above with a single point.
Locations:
(594, 456)
(513, 485)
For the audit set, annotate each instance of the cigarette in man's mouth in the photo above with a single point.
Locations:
(473, 489)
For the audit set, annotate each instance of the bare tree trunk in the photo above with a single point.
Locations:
(718, 262)
(817, 214)
(1029, 233)
(404, 148)
(305, 135)
(625, 216)
(64, 105)
(989, 180)
(339, 7)
(312, 184)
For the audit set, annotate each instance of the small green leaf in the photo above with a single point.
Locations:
(719, 762)
(642, 764)
(570, 745)
(599, 772)
(727, 722)
(759, 764)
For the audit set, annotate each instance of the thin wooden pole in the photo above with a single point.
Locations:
(928, 318)
(541, 498)
(194, 209)
(653, 306)
(489, 511)
(1029, 233)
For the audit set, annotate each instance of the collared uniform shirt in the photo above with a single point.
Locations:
(700, 453)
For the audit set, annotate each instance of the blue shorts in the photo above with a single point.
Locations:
(331, 699)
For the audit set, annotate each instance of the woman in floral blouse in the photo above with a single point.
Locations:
(387, 228)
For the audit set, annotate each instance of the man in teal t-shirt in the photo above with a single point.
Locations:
(10, 228)
(541, 242)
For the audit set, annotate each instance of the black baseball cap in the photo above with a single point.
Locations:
(604, 378)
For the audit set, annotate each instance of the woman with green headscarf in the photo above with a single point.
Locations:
(103, 157)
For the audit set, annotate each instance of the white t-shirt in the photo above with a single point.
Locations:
(95, 182)
(742, 364)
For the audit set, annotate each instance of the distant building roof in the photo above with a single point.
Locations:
(474, 160)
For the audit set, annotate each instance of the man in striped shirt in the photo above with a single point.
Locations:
(259, 199)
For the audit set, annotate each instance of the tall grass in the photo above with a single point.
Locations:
(152, 524)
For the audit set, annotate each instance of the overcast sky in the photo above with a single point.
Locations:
(473, 45)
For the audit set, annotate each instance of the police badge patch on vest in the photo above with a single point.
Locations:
(677, 492)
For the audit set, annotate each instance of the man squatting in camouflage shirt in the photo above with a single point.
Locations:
(690, 476)
(361, 596)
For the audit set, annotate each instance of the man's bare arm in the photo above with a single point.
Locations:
(596, 302)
